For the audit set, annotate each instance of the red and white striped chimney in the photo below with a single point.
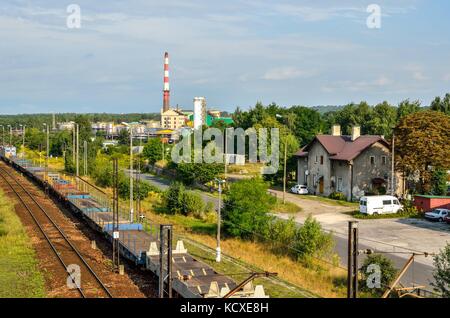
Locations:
(166, 95)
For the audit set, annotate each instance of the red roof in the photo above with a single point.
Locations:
(342, 147)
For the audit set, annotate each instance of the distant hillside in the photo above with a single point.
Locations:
(326, 109)
(36, 120)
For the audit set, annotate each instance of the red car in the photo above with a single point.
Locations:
(447, 219)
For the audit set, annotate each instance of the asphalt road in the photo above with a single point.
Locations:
(164, 183)
(418, 273)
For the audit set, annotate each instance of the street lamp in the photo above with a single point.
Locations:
(218, 251)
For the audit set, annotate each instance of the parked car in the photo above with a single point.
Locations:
(299, 189)
(379, 204)
(447, 219)
(437, 215)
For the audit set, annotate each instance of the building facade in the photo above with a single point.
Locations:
(352, 165)
(172, 119)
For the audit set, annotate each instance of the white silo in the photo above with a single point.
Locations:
(199, 112)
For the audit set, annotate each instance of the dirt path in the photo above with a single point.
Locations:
(135, 283)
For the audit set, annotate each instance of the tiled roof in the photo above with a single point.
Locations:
(342, 147)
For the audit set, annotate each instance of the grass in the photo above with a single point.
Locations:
(19, 273)
(362, 216)
(331, 201)
(294, 278)
(288, 207)
(54, 163)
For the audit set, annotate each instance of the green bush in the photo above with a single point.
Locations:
(387, 272)
(337, 196)
(173, 198)
(312, 241)
(246, 208)
(193, 204)
(441, 272)
(282, 233)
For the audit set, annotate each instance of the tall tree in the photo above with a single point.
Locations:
(422, 142)
(441, 105)
(406, 108)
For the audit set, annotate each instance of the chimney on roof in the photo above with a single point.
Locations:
(356, 132)
(336, 130)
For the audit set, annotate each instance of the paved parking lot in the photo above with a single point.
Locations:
(413, 234)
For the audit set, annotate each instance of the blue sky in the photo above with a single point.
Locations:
(232, 52)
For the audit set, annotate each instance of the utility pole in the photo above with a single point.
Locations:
(85, 153)
(219, 216)
(226, 155)
(393, 165)
(284, 172)
(352, 260)
(131, 175)
(3, 135)
(78, 150)
(23, 140)
(115, 227)
(10, 135)
(74, 132)
(165, 264)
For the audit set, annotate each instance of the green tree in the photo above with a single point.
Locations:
(422, 141)
(193, 204)
(124, 137)
(439, 181)
(387, 272)
(406, 108)
(312, 241)
(441, 272)
(173, 198)
(153, 150)
(246, 208)
(383, 119)
(202, 173)
(441, 105)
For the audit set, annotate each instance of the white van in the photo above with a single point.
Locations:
(379, 204)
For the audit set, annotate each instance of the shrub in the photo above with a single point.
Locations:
(387, 273)
(193, 204)
(441, 272)
(282, 234)
(409, 209)
(173, 198)
(312, 241)
(140, 189)
(246, 208)
(337, 196)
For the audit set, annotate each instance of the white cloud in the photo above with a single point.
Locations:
(419, 76)
(446, 77)
(286, 73)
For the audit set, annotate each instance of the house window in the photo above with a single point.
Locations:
(372, 160)
(321, 160)
(316, 159)
(384, 160)
(339, 185)
(314, 180)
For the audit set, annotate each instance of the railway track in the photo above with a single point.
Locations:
(65, 251)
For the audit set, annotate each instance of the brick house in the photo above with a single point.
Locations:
(354, 165)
